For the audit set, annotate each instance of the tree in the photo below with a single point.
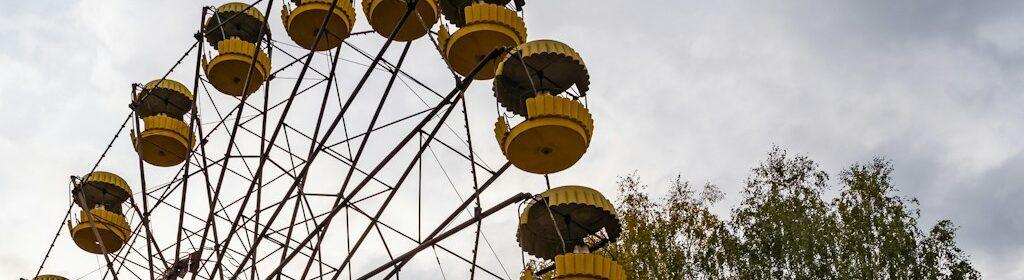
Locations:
(940, 258)
(783, 228)
(787, 230)
(676, 238)
(880, 232)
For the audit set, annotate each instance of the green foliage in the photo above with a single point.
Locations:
(672, 239)
(940, 257)
(879, 231)
(783, 228)
(786, 228)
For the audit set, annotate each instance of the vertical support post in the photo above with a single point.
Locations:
(231, 143)
(476, 187)
(142, 181)
(191, 127)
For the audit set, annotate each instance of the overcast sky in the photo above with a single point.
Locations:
(697, 88)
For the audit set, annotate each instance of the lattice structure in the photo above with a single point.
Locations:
(278, 163)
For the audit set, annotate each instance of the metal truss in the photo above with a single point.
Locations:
(253, 199)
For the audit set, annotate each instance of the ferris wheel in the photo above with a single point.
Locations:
(274, 161)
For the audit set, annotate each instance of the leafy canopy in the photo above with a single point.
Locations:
(784, 228)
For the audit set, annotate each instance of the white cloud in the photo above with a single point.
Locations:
(698, 88)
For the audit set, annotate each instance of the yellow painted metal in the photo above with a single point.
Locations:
(112, 228)
(569, 214)
(545, 66)
(109, 181)
(106, 189)
(528, 274)
(384, 16)
(587, 267)
(488, 26)
(234, 20)
(49, 277)
(555, 135)
(165, 142)
(303, 22)
(227, 71)
(453, 10)
(169, 97)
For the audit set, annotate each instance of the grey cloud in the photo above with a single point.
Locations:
(701, 88)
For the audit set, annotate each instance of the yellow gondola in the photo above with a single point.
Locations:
(229, 70)
(234, 20)
(169, 97)
(538, 66)
(586, 267)
(487, 27)
(563, 218)
(165, 141)
(303, 23)
(110, 227)
(49, 277)
(105, 189)
(453, 10)
(384, 16)
(555, 135)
